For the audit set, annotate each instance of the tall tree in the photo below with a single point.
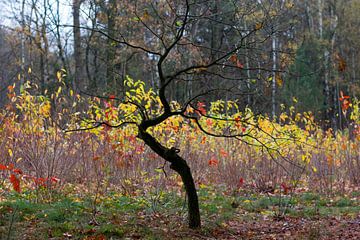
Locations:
(78, 78)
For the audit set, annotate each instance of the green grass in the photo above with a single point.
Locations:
(117, 216)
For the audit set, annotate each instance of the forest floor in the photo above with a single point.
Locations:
(162, 215)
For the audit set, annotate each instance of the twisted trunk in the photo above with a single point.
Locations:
(179, 165)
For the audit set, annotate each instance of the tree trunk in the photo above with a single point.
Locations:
(22, 60)
(77, 81)
(110, 48)
(326, 59)
(273, 83)
(179, 165)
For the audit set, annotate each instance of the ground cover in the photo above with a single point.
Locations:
(246, 215)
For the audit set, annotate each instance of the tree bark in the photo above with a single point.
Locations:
(273, 83)
(77, 81)
(179, 165)
(110, 50)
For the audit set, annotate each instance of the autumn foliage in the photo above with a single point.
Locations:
(40, 148)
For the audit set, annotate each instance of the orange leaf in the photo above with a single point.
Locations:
(10, 88)
(343, 146)
(11, 166)
(223, 153)
(233, 58)
(343, 97)
(258, 26)
(341, 64)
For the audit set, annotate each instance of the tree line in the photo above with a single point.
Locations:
(283, 52)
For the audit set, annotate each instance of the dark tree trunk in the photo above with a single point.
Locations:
(179, 165)
(77, 81)
(110, 49)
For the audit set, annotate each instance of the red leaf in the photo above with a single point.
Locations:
(18, 171)
(200, 108)
(238, 122)
(241, 182)
(239, 64)
(54, 179)
(112, 97)
(285, 188)
(40, 181)
(213, 162)
(3, 167)
(345, 101)
(15, 182)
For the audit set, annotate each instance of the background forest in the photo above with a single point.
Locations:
(253, 104)
(311, 55)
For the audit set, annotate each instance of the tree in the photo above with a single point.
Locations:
(78, 76)
(167, 34)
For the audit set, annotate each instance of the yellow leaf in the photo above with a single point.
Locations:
(58, 91)
(58, 75)
(45, 109)
(314, 169)
(305, 158)
(10, 152)
(202, 186)
(279, 80)
(29, 70)
(201, 69)
(146, 15)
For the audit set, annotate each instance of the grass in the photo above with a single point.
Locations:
(119, 216)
